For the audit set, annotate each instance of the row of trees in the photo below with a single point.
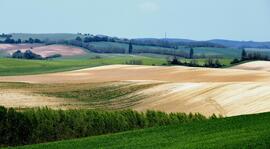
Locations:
(42, 125)
(251, 55)
(95, 39)
(12, 41)
(126, 48)
(210, 62)
(28, 54)
(174, 43)
(3, 35)
(167, 48)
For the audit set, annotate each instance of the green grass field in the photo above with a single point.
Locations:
(25, 67)
(250, 131)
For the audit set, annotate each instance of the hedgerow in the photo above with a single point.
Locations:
(40, 125)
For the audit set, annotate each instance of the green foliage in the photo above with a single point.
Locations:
(246, 132)
(116, 47)
(191, 53)
(210, 62)
(28, 54)
(243, 54)
(235, 61)
(43, 125)
(254, 55)
(130, 48)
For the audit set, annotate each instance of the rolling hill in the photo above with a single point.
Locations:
(256, 65)
(174, 89)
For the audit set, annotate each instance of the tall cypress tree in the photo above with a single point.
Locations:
(191, 53)
(243, 55)
(130, 48)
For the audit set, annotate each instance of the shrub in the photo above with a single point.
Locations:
(28, 54)
(134, 62)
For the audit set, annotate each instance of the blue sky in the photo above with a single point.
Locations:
(193, 19)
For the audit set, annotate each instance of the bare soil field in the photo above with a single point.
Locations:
(44, 50)
(142, 73)
(256, 65)
(227, 92)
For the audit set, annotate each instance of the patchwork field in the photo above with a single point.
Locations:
(227, 92)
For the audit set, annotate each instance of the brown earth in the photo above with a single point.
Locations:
(43, 50)
(256, 65)
(139, 73)
(183, 89)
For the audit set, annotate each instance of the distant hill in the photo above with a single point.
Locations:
(172, 42)
(209, 43)
(241, 44)
(49, 36)
(163, 42)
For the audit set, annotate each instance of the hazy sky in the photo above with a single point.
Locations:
(193, 19)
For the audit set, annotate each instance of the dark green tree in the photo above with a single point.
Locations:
(19, 41)
(31, 40)
(78, 38)
(191, 53)
(244, 55)
(130, 48)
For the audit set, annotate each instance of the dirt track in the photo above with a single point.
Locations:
(184, 89)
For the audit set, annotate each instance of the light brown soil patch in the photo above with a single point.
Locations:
(154, 73)
(25, 99)
(256, 65)
(207, 98)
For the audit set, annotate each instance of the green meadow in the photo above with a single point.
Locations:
(25, 67)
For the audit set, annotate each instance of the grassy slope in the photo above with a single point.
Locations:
(250, 131)
(23, 67)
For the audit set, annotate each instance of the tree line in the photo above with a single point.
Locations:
(13, 41)
(209, 62)
(43, 124)
(251, 55)
(28, 54)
